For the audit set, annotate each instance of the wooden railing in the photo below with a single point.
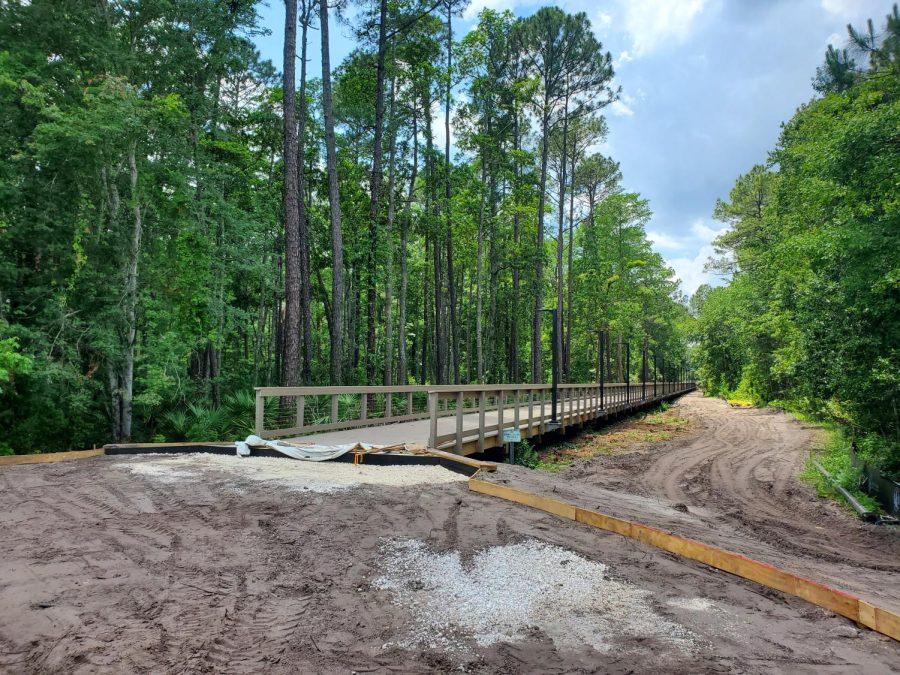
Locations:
(480, 412)
(528, 408)
(293, 411)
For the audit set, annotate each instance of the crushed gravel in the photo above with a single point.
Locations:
(693, 604)
(504, 592)
(322, 477)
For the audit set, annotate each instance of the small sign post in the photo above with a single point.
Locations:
(510, 437)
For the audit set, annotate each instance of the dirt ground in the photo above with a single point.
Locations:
(120, 564)
(731, 480)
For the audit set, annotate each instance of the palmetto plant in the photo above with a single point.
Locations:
(198, 422)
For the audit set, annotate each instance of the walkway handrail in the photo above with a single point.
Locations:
(306, 410)
(333, 408)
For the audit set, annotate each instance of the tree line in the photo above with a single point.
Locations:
(180, 222)
(810, 316)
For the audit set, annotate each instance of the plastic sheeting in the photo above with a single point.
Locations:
(310, 453)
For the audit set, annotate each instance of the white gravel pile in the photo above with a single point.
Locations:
(288, 473)
(507, 590)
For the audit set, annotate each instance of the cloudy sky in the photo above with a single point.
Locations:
(706, 85)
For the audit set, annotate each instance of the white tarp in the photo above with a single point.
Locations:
(311, 452)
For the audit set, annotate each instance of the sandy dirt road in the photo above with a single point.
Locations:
(732, 482)
(112, 565)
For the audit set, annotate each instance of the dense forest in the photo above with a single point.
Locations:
(180, 223)
(811, 315)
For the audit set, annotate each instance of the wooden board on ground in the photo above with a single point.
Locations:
(839, 602)
(10, 460)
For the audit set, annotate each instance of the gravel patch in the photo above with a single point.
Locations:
(506, 592)
(323, 477)
(693, 604)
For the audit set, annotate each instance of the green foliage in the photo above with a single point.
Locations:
(811, 316)
(142, 249)
(12, 362)
(834, 456)
(526, 455)
(231, 420)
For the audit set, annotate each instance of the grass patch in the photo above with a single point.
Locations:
(658, 426)
(833, 453)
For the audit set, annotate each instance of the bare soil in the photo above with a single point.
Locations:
(105, 569)
(732, 481)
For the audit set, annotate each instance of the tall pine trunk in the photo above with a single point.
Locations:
(303, 221)
(567, 353)
(375, 193)
(536, 374)
(561, 209)
(334, 202)
(404, 272)
(448, 210)
(291, 348)
(514, 324)
(389, 237)
(126, 383)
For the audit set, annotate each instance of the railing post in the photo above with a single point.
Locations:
(388, 405)
(260, 413)
(433, 412)
(335, 413)
(459, 421)
(644, 371)
(482, 401)
(500, 404)
(543, 426)
(602, 364)
(627, 373)
(301, 409)
(530, 410)
(409, 403)
(516, 409)
(562, 408)
(363, 406)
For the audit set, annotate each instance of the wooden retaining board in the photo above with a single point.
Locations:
(43, 458)
(864, 613)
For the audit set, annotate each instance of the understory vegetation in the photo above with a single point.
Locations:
(833, 454)
(180, 223)
(657, 426)
(809, 319)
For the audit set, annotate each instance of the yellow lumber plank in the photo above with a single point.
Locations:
(887, 622)
(554, 506)
(877, 618)
(462, 459)
(10, 460)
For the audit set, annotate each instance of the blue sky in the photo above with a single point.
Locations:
(705, 87)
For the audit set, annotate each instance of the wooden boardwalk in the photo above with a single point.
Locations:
(459, 418)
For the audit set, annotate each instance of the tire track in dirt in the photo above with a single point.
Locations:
(734, 483)
(725, 461)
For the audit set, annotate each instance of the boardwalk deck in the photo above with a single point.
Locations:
(460, 433)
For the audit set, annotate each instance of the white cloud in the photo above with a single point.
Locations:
(623, 58)
(704, 232)
(621, 109)
(475, 7)
(846, 9)
(836, 40)
(689, 269)
(665, 241)
(651, 23)
(623, 106)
